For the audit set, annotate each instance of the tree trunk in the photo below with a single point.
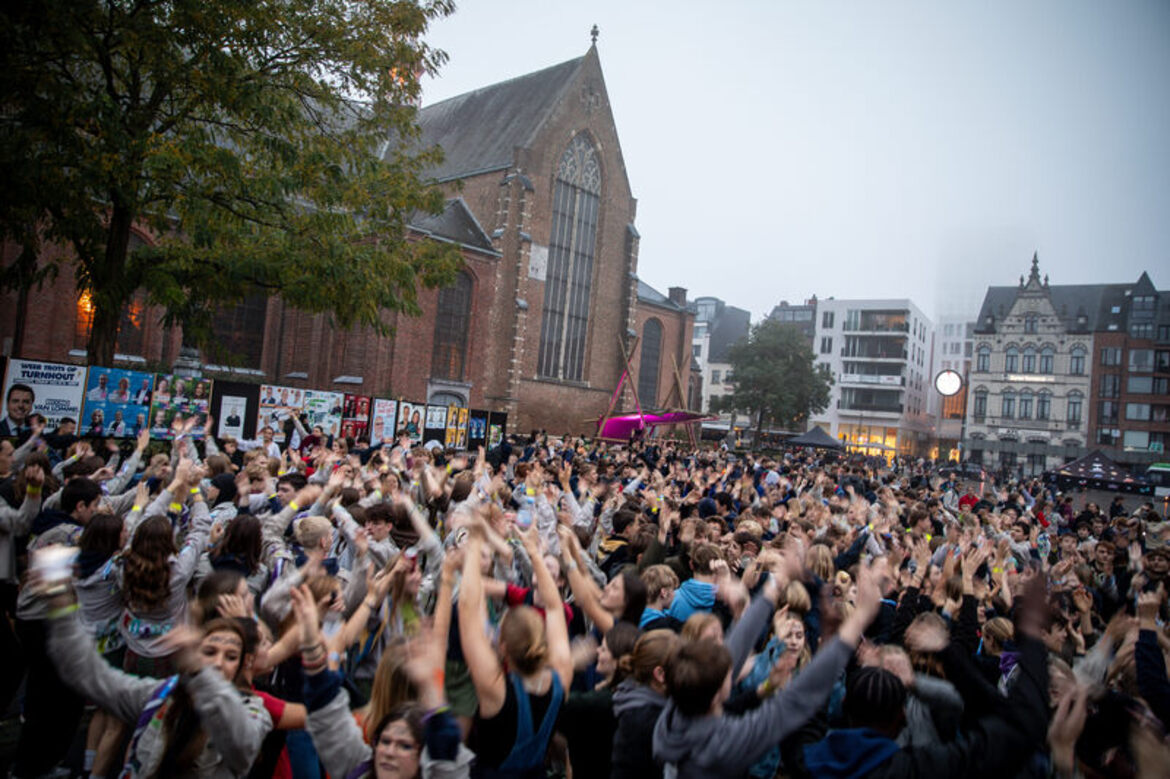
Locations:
(110, 289)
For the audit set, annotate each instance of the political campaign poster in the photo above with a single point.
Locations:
(53, 390)
(436, 424)
(461, 428)
(277, 406)
(497, 428)
(355, 417)
(234, 410)
(117, 402)
(385, 413)
(477, 422)
(451, 436)
(178, 397)
(410, 421)
(323, 409)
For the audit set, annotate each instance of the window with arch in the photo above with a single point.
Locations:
(1029, 363)
(1076, 361)
(979, 410)
(1008, 405)
(452, 324)
(1047, 359)
(1043, 405)
(446, 399)
(1073, 415)
(983, 359)
(1011, 360)
(565, 324)
(648, 364)
(1026, 404)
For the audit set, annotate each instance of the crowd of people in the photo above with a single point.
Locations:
(557, 606)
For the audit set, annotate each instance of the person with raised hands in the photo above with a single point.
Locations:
(521, 685)
(694, 735)
(202, 722)
(419, 739)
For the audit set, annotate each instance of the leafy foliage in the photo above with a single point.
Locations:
(267, 145)
(775, 378)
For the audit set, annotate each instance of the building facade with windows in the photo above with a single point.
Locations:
(1031, 378)
(1129, 416)
(718, 326)
(542, 210)
(879, 353)
(953, 350)
(802, 316)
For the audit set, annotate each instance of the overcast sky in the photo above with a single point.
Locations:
(866, 149)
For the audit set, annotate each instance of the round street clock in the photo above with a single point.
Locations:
(948, 383)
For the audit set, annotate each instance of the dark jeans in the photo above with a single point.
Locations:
(52, 710)
(12, 668)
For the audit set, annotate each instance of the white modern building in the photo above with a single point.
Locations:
(879, 353)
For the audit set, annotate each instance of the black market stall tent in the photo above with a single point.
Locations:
(816, 438)
(1096, 471)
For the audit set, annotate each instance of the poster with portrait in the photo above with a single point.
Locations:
(410, 421)
(323, 409)
(355, 417)
(436, 424)
(461, 428)
(277, 406)
(451, 435)
(477, 422)
(497, 428)
(385, 413)
(233, 407)
(177, 397)
(117, 402)
(53, 390)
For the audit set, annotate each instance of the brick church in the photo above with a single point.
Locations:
(542, 209)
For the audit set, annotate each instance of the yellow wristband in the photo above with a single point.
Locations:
(292, 504)
(194, 490)
(33, 490)
(136, 507)
(176, 507)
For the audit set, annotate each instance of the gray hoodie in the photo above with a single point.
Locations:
(709, 746)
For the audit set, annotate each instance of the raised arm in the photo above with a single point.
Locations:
(480, 656)
(555, 629)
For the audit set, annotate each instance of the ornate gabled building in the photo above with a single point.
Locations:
(1030, 379)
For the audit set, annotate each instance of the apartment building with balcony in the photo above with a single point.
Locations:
(879, 353)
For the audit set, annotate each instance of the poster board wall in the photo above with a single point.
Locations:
(277, 405)
(175, 397)
(435, 428)
(411, 420)
(355, 416)
(383, 419)
(477, 422)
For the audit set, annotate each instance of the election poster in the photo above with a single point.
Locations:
(383, 419)
(477, 429)
(323, 409)
(178, 397)
(53, 390)
(233, 406)
(277, 406)
(451, 437)
(355, 417)
(410, 421)
(117, 402)
(436, 424)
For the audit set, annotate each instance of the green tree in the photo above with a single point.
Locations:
(775, 379)
(268, 145)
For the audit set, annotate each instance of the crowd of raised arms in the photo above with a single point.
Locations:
(556, 606)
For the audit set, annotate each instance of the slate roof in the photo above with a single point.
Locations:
(729, 326)
(480, 130)
(456, 224)
(648, 294)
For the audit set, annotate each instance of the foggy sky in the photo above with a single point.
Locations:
(866, 149)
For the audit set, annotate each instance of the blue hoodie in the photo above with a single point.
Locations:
(844, 754)
(692, 596)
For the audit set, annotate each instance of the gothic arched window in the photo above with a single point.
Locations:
(565, 325)
(452, 323)
(648, 365)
